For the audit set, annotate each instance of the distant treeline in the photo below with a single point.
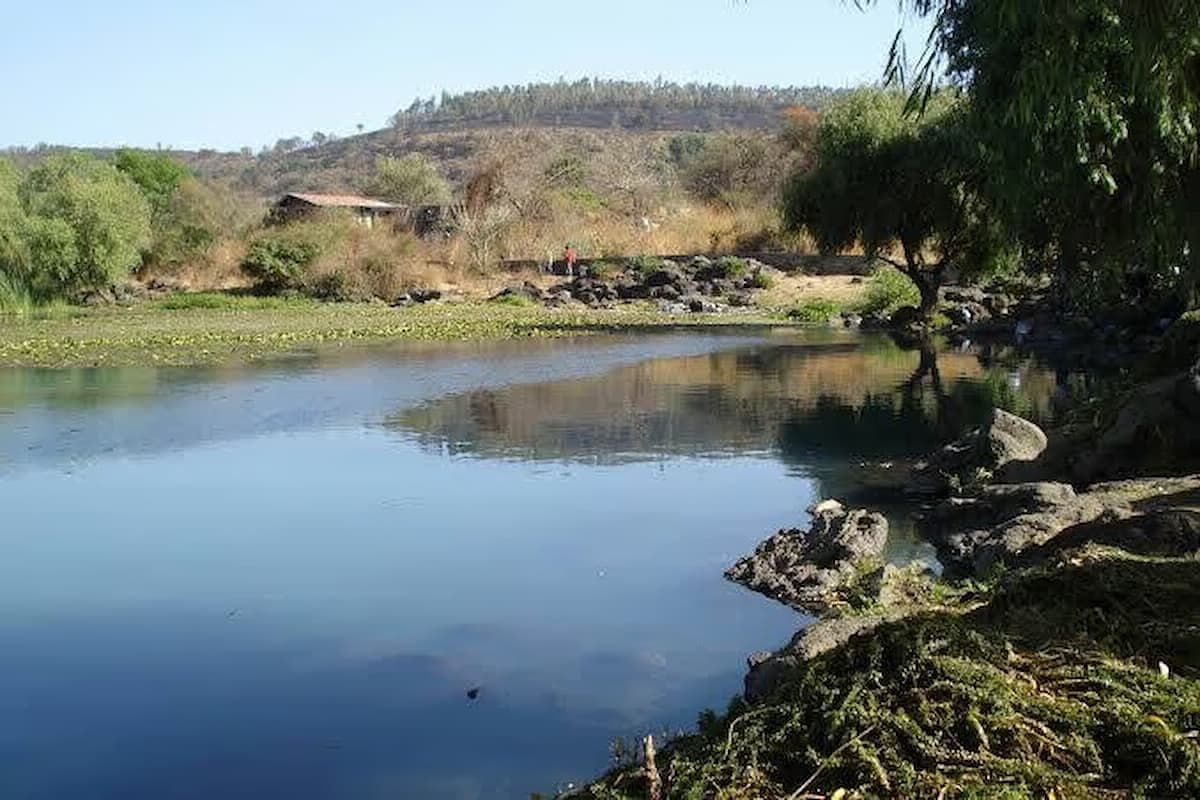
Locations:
(595, 102)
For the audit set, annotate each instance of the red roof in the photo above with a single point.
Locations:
(340, 200)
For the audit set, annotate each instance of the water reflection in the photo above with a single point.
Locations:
(279, 580)
(836, 401)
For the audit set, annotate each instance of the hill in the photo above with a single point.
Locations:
(456, 130)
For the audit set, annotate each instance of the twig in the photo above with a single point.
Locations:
(652, 776)
(811, 778)
(732, 725)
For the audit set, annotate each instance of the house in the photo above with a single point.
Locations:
(368, 210)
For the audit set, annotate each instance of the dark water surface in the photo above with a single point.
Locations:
(281, 580)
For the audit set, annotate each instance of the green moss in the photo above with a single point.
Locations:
(1050, 686)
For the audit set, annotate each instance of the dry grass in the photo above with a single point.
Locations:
(789, 291)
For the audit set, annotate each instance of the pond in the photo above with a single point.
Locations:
(282, 580)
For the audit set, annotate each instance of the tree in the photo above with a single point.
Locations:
(411, 180)
(88, 223)
(1089, 110)
(157, 175)
(893, 182)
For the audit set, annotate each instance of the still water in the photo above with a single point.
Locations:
(281, 580)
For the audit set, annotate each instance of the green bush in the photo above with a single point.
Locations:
(644, 264)
(332, 286)
(72, 223)
(730, 267)
(888, 290)
(761, 280)
(815, 310)
(276, 263)
(515, 300)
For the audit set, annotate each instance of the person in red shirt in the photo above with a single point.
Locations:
(571, 257)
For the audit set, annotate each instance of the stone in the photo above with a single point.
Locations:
(1005, 440)
(974, 534)
(812, 570)
(767, 670)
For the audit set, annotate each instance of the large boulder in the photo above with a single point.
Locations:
(814, 570)
(976, 533)
(1005, 442)
(1156, 431)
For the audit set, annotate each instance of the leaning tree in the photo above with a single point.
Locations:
(901, 186)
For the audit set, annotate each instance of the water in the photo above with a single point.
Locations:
(281, 580)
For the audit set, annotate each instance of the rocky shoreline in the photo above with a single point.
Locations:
(1058, 655)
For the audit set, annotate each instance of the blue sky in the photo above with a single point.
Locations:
(219, 73)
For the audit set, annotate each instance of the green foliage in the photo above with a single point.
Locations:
(629, 103)
(217, 301)
(727, 267)
(730, 169)
(645, 264)
(887, 180)
(685, 149)
(410, 180)
(815, 310)
(1087, 114)
(72, 223)
(277, 263)
(514, 300)
(889, 289)
(761, 280)
(156, 174)
(196, 216)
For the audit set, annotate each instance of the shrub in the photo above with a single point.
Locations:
(85, 226)
(761, 280)
(332, 286)
(277, 263)
(515, 300)
(815, 310)
(730, 267)
(888, 290)
(646, 264)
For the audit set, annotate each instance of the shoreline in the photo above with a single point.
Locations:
(151, 333)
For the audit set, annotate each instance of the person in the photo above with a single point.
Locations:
(571, 257)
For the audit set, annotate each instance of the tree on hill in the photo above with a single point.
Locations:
(892, 182)
(157, 175)
(410, 180)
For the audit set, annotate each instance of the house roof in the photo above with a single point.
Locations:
(340, 200)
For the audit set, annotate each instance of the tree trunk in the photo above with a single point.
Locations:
(927, 281)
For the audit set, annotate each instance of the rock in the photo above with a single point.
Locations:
(963, 294)
(740, 299)
(558, 299)
(857, 279)
(967, 313)
(904, 317)
(851, 320)
(767, 670)
(1169, 533)
(525, 289)
(1006, 439)
(1156, 431)
(666, 277)
(671, 307)
(667, 292)
(630, 290)
(701, 305)
(813, 570)
(974, 534)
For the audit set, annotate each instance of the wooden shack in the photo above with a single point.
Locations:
(367, 210)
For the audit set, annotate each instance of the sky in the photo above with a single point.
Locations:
(231, 73)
